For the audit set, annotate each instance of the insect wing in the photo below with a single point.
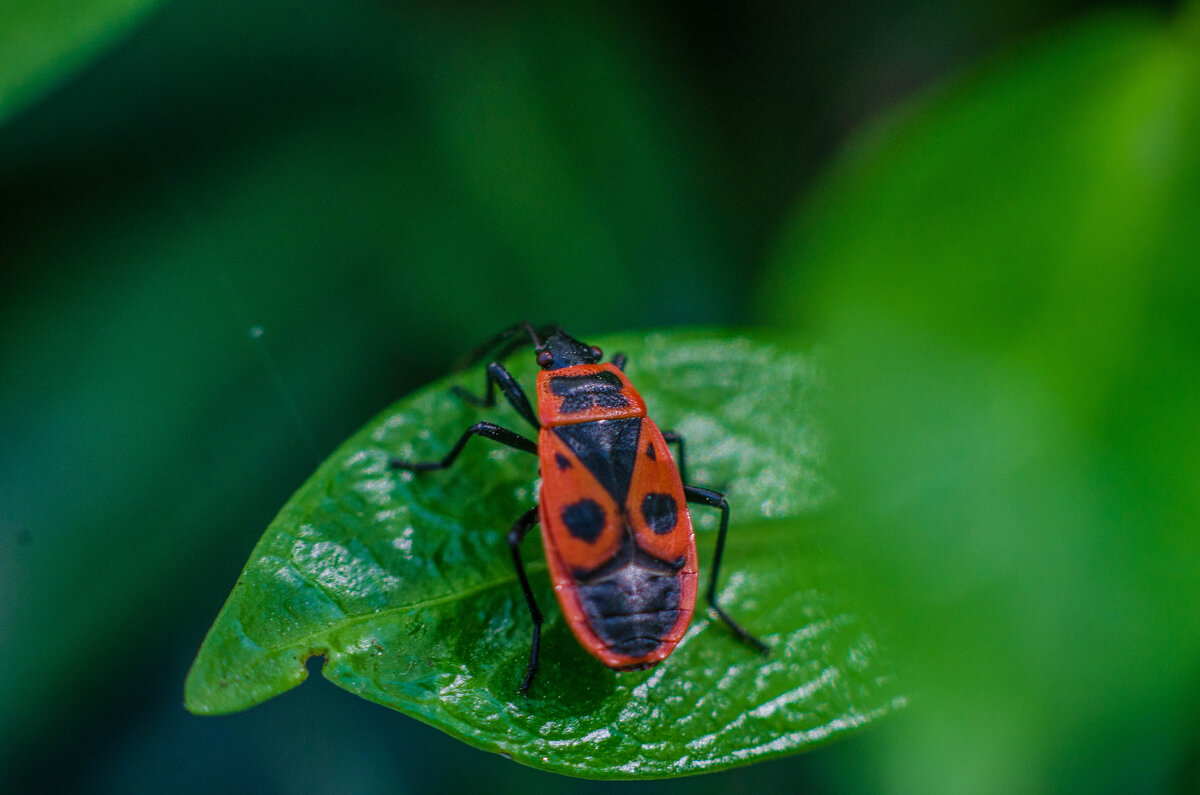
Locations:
(656, 507)
(581, 523)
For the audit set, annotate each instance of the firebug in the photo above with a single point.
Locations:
(613, 503)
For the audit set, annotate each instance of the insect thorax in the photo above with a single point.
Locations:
(586, 393)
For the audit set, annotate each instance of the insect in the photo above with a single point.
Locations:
(615, 526)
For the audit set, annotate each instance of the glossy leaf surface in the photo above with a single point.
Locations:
(404, 583)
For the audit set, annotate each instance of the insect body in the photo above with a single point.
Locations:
(615, 526)
(616, 531)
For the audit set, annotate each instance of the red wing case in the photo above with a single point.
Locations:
(625, 576)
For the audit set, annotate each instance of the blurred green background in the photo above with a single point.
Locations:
(988, 213)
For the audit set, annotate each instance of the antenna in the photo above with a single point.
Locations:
(508, 341)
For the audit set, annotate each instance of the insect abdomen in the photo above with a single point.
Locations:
(633, 609)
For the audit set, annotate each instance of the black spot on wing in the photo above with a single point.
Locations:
(584, 520)
(562, 461)
(650, 452)
(608, 448)
(583, 392)
(660, 512)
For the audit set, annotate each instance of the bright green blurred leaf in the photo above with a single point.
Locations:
(405, 584)
(1007, 275)
(43, 41)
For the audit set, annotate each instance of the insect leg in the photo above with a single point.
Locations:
(498, 376)
(484, 429)
(715, 499)
(522, 526)
(619, 360)
(671, 437)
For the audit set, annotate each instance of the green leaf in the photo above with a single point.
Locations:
(404, 583)
(43, 41)
(1006, 277)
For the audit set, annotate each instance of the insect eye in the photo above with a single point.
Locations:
(597, 354)
(545, 359)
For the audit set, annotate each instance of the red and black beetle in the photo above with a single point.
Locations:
(615, 525)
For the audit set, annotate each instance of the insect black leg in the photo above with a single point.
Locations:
(618, 361)
(716, 499)
(518, 532)
(485, 429)
(498, 376)
(671, 437)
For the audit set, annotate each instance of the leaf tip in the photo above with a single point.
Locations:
(217, 687)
